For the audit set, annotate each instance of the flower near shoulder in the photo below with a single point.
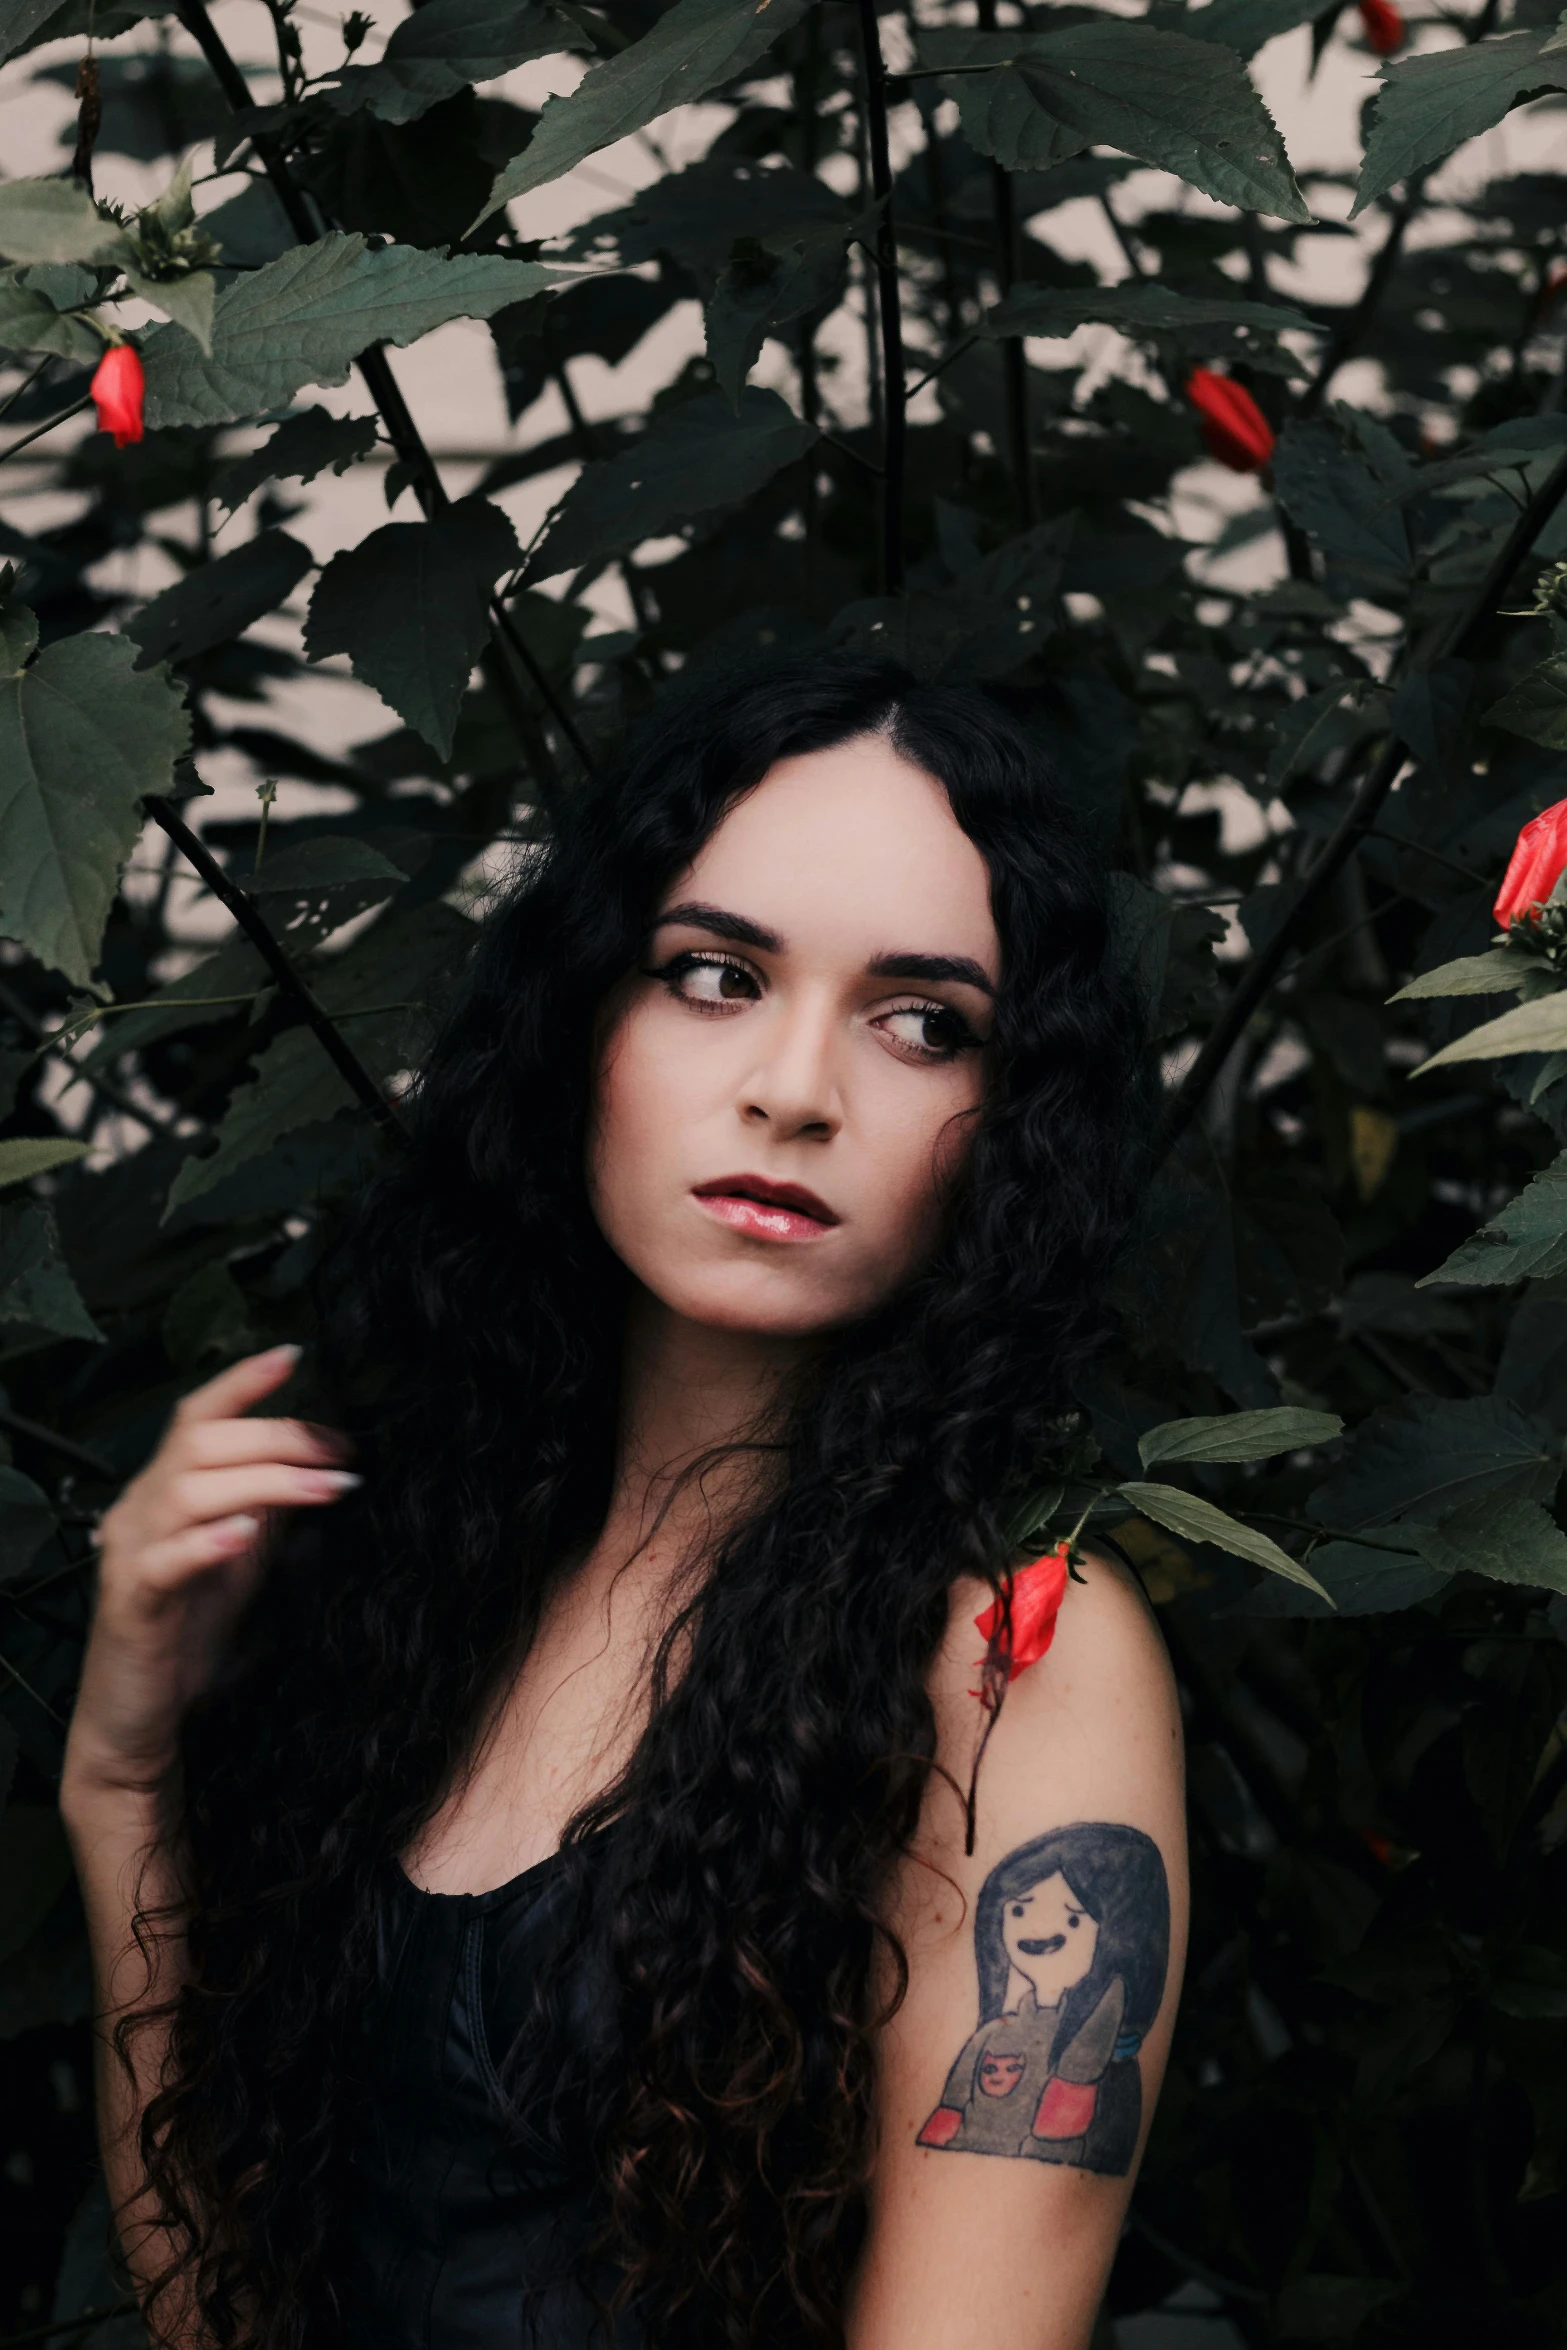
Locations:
(1383, 25)
(1036, 1596)
(1534, 869)
(1233, 425)
(117, 389)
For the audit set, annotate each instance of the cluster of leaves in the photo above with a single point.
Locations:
(1330, 1431)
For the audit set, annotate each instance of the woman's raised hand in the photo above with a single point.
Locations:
(179, 1555)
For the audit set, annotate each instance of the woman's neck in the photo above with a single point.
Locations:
(695, 1408)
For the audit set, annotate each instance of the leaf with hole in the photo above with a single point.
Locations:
(83, 739)
(410, 607)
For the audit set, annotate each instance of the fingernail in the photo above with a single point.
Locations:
(340, 1480)
(242, 1528)
(286, 1354)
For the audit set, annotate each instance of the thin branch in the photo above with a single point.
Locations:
(26, 384)
(506, 645)
(48, 425)
(941, 366)
(1359, 819)
(16, 1424)
(889, 305)
(1346, 339)
(57, 1042)
(336, 1047)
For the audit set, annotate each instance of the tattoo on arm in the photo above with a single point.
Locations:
(1072, 1942)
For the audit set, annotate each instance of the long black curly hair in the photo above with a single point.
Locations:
(470, 1326)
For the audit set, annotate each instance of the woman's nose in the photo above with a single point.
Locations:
(792, 1089)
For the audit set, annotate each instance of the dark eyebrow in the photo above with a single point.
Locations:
(932, 967)
(744, 932)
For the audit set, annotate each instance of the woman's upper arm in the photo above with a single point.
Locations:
(1049, 1963)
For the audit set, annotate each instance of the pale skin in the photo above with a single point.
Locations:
(811, 1012)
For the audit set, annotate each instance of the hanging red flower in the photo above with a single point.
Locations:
(1383, 24)
(117, 388)
(1536, 865)
(1233, 425)
(1037, 1593)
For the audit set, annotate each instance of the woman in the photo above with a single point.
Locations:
(551, 1863)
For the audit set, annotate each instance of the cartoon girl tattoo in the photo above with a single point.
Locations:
(1072, 1940)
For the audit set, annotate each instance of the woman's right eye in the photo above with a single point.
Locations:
(709, 980)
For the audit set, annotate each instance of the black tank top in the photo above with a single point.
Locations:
(460, 2224)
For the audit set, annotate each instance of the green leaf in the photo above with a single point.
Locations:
(82, 740)
(1238, 1436)
(763, 288)
(444, 46)
(377, 989)
(1338, 501)
(1246, 25)
(218, 600)
(1419, 1459)
(409, 606)
(37, 1154)
(1536, 707)
(301, 447)
(1202, 1521)
(35, 1282)
(1140, 308)
(29, 321)
(18, 636)
(1540, 1027)
(1182, 105)
(1360, 1580)
(1527, 1241)
(207, 1321)
(54, 220)
(189, 300)
(1432, 103)
(1500, 1535)
(26, 24)
(333, 861)
(305, 318)
(1499, 971)
(27, 1520)
(693, 457)
(694, 46)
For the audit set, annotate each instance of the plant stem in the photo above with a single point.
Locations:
(16, 1424)
(338, 1051)
(48, 425)
(1347, 337)
(889, 305)
(26, 384)
(506, 645)
(1014, 357)
(1359, 819)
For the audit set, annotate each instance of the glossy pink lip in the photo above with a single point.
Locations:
(765, 1210)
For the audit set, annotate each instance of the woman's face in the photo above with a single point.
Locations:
(787, 1086)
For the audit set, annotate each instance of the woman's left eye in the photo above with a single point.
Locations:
(929, 1032)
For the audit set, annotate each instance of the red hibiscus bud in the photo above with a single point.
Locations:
(1037, 1593)
(1233, 425)
(1383, 25)
(117, 389)
(1535, 867)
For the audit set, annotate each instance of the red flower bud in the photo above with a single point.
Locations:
(1536, 865)
(1384, 26)
(1233, 425)
(1037, 1593)
(117, 389)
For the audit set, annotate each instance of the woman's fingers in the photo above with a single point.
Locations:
(233, 1391)
(165, 1565)
(226, 1444)
(200, 1495)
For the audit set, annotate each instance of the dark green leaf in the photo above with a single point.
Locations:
(82, 739)
(1197, 1520)
(762, 290)
(1360, 1580)
(313, 868)
(301, 447)
(35, 1282)
(54, 220)
(219, 600)
(1182, 105)
(36, 1154)
(1245, 25)
(694, 457)
(1538, 1027)
(29, 321)
(1430, 104)
(444, 46)
(1500, 1535)
(409, 606)
(1238, 1436)
(1338, 500)
(1528, 1240)
(1536, 708)
(1499, 971)
(694, 46)
(27, 1520)
(1416, 1461)
(305, 318)
(207, 1321)
(1139, 308)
